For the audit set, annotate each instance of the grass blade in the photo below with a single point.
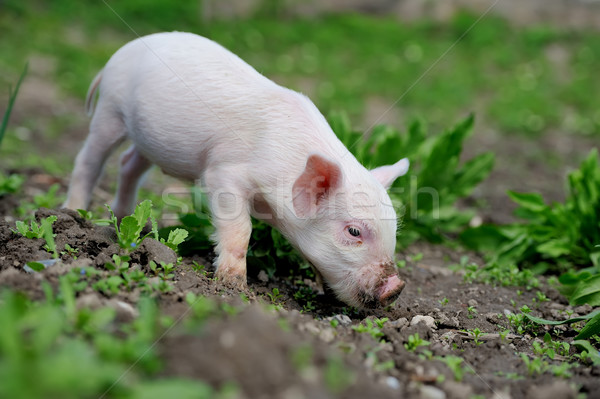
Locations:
(12, 96)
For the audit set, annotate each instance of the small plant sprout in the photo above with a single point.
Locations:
(373, 327)
(414, 341)
(130, 228)
(417, 257)
(534, 366)
(472, 312)
(34, 230)
(275, 296)
(541, 297)
(476, 333)
(198, 268)
(69, 250)
(454, 363)
(175, 238)
(444, 301)
(42, 230)
(401, 264)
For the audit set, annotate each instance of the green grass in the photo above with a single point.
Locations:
(507, 75)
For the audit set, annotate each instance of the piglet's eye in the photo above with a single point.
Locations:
(353, 231)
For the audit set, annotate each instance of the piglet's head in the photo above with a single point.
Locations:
(347, 228)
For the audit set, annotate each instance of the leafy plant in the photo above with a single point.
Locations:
(535, 365)
(476, 333)
(414, 341)
(130, 228)
(35, 230)
(454, 363)
(41, 230)
(175, 238)
(592, 326)
(372, 327)
(561, 234)
(10, 184)
(436, 181)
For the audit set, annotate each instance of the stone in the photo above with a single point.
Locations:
(431, 392)
(262, 276)
(428, 320)
(401, 322)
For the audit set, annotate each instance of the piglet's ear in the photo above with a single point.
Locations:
(316, 183)
(387, 174)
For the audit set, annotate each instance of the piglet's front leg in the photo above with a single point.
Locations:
(233, 224)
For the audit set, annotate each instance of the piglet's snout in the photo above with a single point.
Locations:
(390, 290)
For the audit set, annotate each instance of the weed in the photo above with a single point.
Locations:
(10, 184)
(275, 296)
(35, 230)
(372, 326)
(560, 235)
(198, 268)
(42, 230)
(70, 251)
(454, 363)
(176, 237)
(12, 96)
(444, 301)
(534, 366)
(471, 312)
(414, 342)
(476, 333)
(128, 231)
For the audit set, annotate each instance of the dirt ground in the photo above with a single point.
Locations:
(255, 348)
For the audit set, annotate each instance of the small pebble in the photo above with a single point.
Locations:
(431, 392)
(393, 383)
(263, 276)
(472, 302)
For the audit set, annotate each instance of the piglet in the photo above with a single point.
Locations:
(203, 115)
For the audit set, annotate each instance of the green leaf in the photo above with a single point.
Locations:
(472, 173)
(22, 228)
(129, 231)
(592, 327)
(12, 96)
(555, 248)
(176, 237)
(587, 346)
(539, 320)
(141, 214)
(36, 266)
(486, 237)
(530, 201)
(587, 291)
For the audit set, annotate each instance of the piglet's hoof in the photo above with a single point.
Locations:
(232, 281)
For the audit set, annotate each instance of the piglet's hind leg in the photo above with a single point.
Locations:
(106, 133)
